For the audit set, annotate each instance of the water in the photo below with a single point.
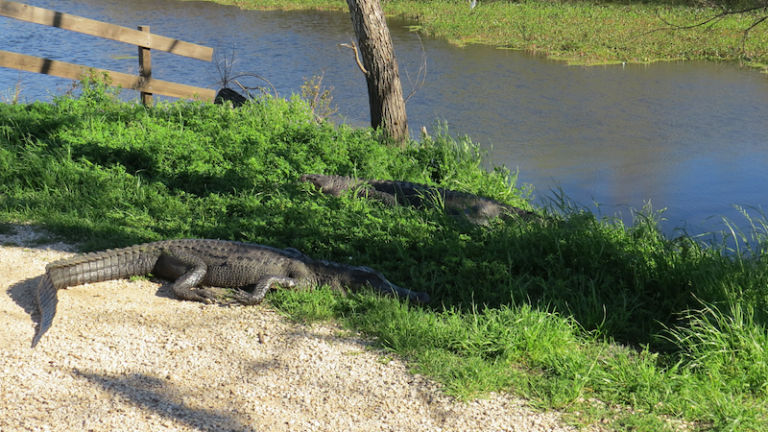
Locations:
(688, 137)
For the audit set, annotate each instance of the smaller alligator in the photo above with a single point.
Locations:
(250, 269)
(478, 210)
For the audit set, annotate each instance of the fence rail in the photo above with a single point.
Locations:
(142, 38)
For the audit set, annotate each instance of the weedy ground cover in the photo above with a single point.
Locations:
(603, 321)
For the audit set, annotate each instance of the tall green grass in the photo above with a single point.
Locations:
(603, 321)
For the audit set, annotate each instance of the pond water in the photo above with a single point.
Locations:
(688, 137)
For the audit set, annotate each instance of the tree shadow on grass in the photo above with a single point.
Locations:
(25, 125)
(630, 284)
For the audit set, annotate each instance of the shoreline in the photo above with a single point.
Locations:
(588, 34)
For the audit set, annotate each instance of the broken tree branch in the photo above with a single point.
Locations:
(353, 47)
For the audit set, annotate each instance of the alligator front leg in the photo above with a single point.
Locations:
(254, 294)
(386, 198)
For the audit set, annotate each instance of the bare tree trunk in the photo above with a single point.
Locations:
(385, 94)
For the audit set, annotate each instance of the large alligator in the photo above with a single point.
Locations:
(250, 269)
(476, 209)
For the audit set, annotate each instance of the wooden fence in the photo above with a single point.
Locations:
(145, 41)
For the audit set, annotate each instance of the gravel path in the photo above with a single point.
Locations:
(126, 356)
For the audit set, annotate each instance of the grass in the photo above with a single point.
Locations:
(579, 32)
(613, 325)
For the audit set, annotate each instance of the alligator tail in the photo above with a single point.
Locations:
(86, 268)
(46, 303)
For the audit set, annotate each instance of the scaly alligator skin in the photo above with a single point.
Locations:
(476, 209)
(249, 268)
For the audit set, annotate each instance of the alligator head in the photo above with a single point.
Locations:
(330, 184)
(340, 276)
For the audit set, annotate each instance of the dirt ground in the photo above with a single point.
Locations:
(127, 356)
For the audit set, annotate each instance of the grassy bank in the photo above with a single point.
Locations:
(613, 325)
(580, 32)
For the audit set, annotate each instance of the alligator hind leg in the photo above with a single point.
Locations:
(186, 271)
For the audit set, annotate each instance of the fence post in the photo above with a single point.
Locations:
(145, 69)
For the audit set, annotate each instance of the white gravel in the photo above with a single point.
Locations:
(126, 356)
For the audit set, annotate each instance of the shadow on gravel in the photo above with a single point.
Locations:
(161, 397)
(32, 237)
(23, 294)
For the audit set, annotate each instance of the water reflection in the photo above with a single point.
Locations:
(687, 136)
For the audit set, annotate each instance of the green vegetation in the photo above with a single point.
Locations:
(580, 32)
(608, 323)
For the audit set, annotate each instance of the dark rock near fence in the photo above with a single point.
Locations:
(227, 94)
